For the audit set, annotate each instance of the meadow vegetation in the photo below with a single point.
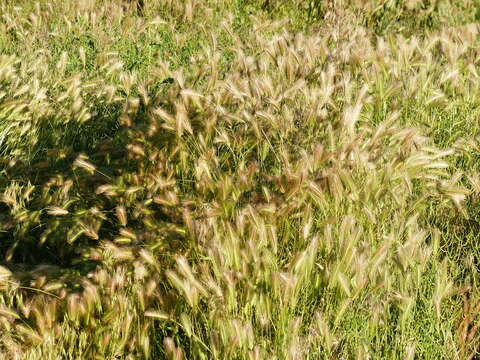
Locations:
(239, 179)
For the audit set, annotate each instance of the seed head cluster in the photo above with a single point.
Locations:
(195, 183)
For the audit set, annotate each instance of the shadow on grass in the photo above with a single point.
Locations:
(33, 234)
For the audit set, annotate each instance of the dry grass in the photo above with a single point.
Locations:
(205, 184)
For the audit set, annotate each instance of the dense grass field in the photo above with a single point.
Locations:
(239, 179)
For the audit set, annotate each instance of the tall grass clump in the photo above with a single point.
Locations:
(207, 181)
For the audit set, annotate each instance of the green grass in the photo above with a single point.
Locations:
(239, 180)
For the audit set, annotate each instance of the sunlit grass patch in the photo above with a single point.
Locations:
(239, 180)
